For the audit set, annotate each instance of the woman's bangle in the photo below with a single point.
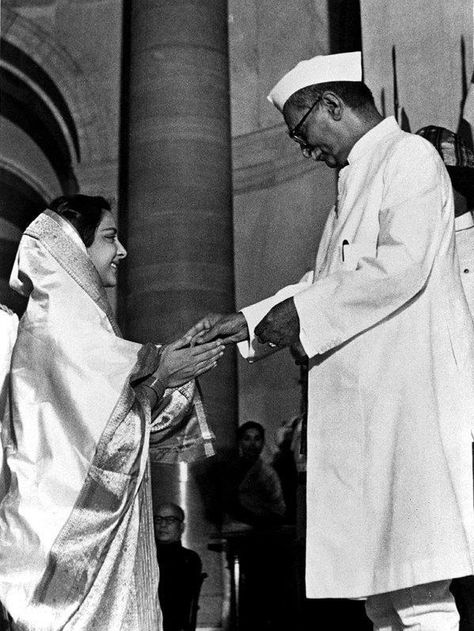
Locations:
(156, 385)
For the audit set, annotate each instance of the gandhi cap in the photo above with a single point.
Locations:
(319, 69)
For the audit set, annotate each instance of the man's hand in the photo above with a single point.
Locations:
(229, 329)
(281, 326)
(202, 326)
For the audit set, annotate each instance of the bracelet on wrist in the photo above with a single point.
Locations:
(156, 385)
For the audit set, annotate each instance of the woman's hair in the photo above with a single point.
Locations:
(84, 212)
(250, 425)
(355, 94)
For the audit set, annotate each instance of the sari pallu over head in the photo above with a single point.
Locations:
(77, 541)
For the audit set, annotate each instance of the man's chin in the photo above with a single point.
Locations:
(330, 162)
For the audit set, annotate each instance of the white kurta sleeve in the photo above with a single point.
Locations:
(412, 224)
(251, 349)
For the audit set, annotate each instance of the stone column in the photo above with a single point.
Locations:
(176, 217)
(179, 200)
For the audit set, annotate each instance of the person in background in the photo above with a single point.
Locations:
(387, 331)
(459, 161)
(252, 491)
(254, 511)
(180, 568)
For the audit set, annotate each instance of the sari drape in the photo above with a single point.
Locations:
(76, 525)
(8, 331)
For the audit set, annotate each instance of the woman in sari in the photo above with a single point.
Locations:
(76, 528)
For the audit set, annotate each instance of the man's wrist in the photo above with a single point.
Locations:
(243, 326)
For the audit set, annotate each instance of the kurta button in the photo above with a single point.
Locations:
(466, 271)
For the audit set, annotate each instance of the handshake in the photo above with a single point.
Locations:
(228, 329)
(279, 328)
(200, 349)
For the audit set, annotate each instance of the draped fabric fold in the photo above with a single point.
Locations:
(8, 328)
(179, 430)
(76, 525)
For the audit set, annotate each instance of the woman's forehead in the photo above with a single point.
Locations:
(107, 221)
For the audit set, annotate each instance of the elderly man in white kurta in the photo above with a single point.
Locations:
(390, 343)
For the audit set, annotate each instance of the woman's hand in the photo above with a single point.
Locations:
(180, 362)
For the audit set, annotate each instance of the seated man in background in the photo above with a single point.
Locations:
(180, 568)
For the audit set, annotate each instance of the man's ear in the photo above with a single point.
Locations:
(333, 104)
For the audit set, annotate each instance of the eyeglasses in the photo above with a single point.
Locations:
(167, 520)
(293, 133)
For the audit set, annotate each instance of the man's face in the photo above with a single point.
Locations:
(168, 525)
(319, 135)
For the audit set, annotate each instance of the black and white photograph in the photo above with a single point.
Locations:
(236, 315)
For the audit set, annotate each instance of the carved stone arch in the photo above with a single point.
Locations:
(93, 130)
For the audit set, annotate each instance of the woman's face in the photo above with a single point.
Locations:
(106, 250)
(251, 444)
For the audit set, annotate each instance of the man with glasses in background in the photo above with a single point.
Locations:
(385, 326)
(180, 568)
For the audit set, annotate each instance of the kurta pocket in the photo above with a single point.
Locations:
(353, 252)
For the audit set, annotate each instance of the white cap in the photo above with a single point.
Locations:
(320, 69)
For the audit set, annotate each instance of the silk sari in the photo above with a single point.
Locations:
(8, 331)
(76, 525)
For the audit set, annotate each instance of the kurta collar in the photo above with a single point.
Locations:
(371, 138)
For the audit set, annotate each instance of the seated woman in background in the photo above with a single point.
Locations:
(252, 491)
(254, 511)
(76, 525)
